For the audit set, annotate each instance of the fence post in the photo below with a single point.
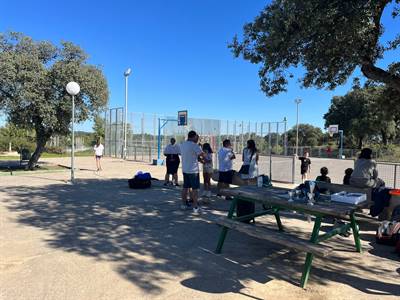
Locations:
(135, 153)
(293, 169)
(395, 176)
(149, 153)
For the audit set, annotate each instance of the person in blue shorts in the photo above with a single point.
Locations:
(191, 153)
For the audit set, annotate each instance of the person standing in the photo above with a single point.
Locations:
(191, 153)
(207, 169)
(98, 153)
(225, 165)
(249, 169)
(305, 166)
(172, 152)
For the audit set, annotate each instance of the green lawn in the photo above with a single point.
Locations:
(50, 155)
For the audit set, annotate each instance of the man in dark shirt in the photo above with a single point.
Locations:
(305, 167)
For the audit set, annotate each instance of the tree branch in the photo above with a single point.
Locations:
(377, 74)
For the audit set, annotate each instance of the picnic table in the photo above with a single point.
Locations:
(275, 200)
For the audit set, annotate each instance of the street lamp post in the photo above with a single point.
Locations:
(297, 101)
(126, 74)
(73, 89)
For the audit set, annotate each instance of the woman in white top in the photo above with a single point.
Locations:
(98, 153)
(249, 168)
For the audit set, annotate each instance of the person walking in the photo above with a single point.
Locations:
(98, 153)
(305, 167)
(225, 166)
(172, 152)
(249, 169)
(207, 169)
(191, 153)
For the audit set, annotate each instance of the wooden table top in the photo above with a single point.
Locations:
(279, 197)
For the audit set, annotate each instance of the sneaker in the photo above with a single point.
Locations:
(196, 210)
(176, 184)
(166, 183)
(219, 195)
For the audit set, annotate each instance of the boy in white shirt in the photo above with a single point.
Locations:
(225, 165)
(191, 153)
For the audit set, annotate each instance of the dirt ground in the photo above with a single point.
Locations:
(97, 239)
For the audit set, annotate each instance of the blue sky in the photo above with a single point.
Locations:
(178, 53)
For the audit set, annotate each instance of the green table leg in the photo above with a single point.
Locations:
(224, 230)
(278, 220)
(309, 256)
(356, 233)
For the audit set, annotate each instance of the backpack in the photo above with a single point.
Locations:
(140, 181)
(388, 233)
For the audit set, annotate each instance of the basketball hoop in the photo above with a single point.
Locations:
(333, 129)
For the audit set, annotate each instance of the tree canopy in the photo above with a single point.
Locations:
(329, 39)
(309, 135)
(360, 114)
(33, 76)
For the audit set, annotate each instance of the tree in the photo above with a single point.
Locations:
(99, 127)
(33, 76)
(360, 115)
(329, 39)
(309, 135)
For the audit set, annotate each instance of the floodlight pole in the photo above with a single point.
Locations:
(126, 75)
(73, 141)
(297, 101)
(73, 89)
(341, 144)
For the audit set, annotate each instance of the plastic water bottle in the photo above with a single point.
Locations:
(259, 181)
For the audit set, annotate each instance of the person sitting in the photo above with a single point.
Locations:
(365, 172)
(346, 178)
(323, 177)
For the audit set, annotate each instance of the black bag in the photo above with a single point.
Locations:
(245, 208)
(139, 183)
(245, 169)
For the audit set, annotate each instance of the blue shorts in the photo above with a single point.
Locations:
(191, 180)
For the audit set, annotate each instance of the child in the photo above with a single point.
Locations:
(98, 149)
(323, 176)
(346, 178)
(207, 169)
(225, 158)
(305, 167)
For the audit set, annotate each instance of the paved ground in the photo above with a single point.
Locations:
(98, 239)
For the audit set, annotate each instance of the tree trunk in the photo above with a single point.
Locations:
(384, 137)
(41, 141)
(360, 142)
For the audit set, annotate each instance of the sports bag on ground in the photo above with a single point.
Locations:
(388, 233)
(140, 181)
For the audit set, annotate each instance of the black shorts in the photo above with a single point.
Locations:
(226, 177)
(191, 180)
(172, 167)
(303, 170)
(98, 156)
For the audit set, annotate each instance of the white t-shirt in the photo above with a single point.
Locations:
(190, 152)
(99, 150)
(172, 149)
(225, 159)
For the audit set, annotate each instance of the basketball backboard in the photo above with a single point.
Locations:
(333, 129)
(182, 118)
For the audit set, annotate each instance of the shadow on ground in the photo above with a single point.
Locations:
(150, 241)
